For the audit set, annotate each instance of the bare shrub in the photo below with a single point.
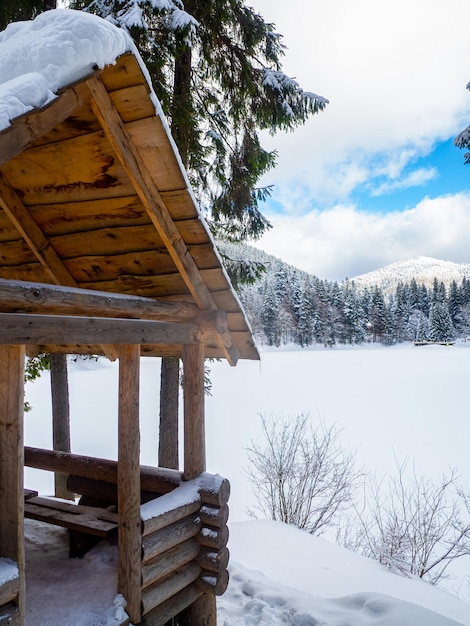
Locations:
(412, 525)
(300, 474)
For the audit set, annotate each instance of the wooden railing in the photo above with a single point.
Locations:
(184, 530)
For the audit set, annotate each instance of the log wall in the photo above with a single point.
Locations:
(183, 532)
(184, 548)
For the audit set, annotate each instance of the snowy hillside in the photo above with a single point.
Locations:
(281, 575)
(423, 269)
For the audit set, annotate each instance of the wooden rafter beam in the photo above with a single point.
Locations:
(153, 202)
(148, 192)
(32, 126)
(36, 240)
(33, 235)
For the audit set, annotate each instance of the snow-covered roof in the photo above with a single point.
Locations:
(71, 45)
(81, 126)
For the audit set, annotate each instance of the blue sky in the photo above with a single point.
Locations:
(375, 178)
(438, 173)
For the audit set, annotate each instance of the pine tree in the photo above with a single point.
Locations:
(306, 314)
(19, 10)
(454, 303)
(424, 300)
(270, 315)
(440, 323)
(216, 68)
(377, 315)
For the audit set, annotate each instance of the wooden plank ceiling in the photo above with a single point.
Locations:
(93, 196)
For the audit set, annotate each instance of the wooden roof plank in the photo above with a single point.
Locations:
(32, 126)
(82, 168)
(95, 267)
(124, 73)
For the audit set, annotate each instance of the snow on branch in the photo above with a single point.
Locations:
(288, 87)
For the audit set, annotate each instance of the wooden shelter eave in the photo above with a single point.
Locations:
(110, 115)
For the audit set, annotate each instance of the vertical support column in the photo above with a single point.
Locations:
(60, 418)
(203, 611)
(194, 426)
(11, 462)
(128, 481)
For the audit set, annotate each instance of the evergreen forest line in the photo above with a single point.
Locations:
(286, 305)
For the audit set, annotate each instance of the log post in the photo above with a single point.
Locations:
(203, 611)
(128, 481)
(168, 453)
(194, 427)
(11, 462)
(60, 418)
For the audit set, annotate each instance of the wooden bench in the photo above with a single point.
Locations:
(84, 519)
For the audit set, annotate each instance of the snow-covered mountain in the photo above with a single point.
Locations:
(423, 269)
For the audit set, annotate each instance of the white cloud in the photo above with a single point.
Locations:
(345, 242)
(414, 179)
(395, 75)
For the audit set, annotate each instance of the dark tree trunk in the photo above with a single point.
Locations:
(60, 417)
(181, 108)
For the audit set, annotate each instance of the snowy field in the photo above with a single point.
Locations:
(392, 403)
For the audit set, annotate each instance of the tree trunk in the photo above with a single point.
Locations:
(169, 392)
(181, 107)
(60, 418)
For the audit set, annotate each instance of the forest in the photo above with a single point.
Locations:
(286, 305)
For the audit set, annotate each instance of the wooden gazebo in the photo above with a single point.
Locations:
(103, 251)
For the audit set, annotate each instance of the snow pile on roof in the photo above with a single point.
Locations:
(39, 57)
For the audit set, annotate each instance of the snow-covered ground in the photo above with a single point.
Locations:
(391, 402)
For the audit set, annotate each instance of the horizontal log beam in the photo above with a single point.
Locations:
(99, 490)
(212, 583)
(28, 297)
(154, 524)
(173, 606)
(214, 516)
(169, 561)
(212, 561)
(155, 479)
(19, 328)
(213, 538)
(160, 592)
(214, 490)
(169, 537)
